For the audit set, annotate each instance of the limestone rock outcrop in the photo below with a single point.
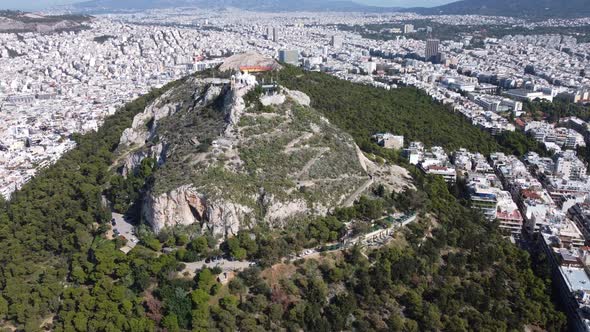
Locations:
(186, 193)
(228, 161)
(132, 160)
(185, 205)
(145, 123)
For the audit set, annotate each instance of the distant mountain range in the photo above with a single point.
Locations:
(255, 5)
(515, 8)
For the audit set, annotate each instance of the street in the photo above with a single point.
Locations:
(375, 238)
(225, 265)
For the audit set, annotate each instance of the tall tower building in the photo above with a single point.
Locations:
(408, 28)
(289, 56)
(432, 53)
(275, 34)
(336, 42)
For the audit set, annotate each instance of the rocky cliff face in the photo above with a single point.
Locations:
(145, 124)
(136, 143)
(185, 205)
(226, 163)
(131, 161)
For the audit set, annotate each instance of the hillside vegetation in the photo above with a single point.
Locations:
(450, 271)
(51, 232)
(521, 8)
(363, 111)
(275, 144)
(382, 31)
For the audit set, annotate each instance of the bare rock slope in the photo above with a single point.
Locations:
(230, 157)
(26, 22)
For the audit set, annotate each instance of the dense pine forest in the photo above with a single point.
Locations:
(450, 271)
(363, 111)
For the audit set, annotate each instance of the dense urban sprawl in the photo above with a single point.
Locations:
(55, 85)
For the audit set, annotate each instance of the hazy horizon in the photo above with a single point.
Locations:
(43, 4)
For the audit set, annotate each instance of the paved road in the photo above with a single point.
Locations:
(225, 265)
(373, 239)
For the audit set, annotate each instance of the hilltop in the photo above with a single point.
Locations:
(16, 21)
(521, 8)
(225, 139)
(232, 154)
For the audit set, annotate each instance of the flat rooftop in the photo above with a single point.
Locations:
(576, 278)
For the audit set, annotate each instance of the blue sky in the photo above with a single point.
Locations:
(40, 4)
